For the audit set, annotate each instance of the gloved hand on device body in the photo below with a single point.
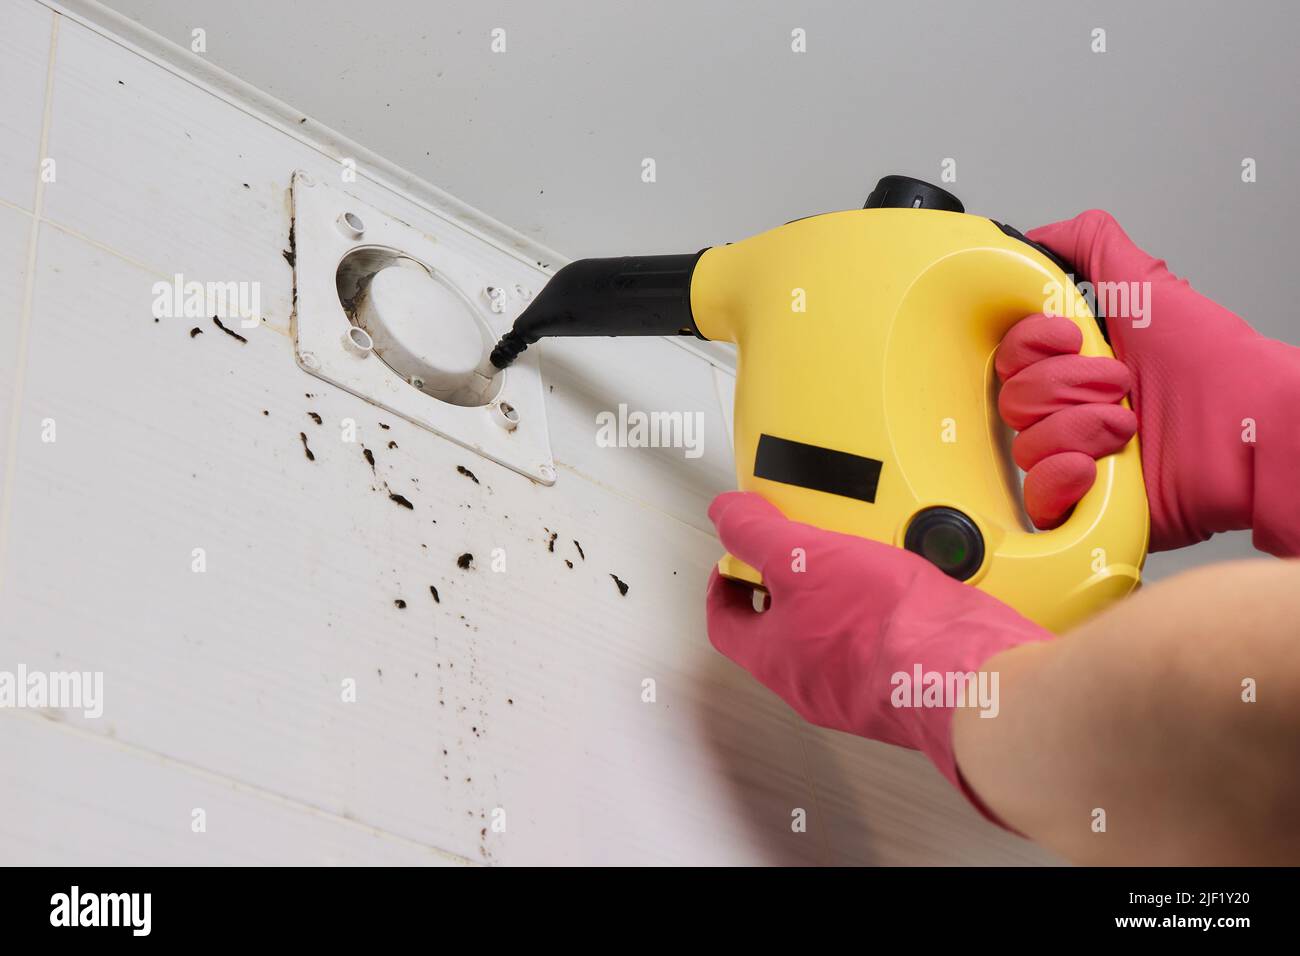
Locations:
(1217, 411)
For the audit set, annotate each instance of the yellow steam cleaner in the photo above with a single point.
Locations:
(865, 389)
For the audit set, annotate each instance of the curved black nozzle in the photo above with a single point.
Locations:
(630, 295)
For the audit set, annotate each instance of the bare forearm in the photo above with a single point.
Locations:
(1139, 715)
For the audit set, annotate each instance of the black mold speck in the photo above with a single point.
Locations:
(467, 473)
(392, 445)
(246, 186)
(394, 496)
(399, 604)
(195, 331)
(314, 417)
(580, 551)
(383, 426)
(370, 456)
(550, 543)
(290, 254)
(231, 332)
(265, 412)
(622, 585)
(310, 456)
(464, 561)
(434, 592)
(568, 562)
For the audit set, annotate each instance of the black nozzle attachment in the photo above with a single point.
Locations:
(631, 295)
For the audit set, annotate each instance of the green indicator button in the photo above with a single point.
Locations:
(947, 539)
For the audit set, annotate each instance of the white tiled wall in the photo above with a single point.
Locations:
(519, 692)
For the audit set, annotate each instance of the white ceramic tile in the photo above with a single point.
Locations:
(15, 232)
(589, 376)
(530, 679)
(726, 384)
(72, 799)
(24, 61)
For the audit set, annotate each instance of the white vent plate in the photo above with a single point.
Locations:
(393, 314)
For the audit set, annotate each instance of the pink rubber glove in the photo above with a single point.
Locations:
(1217, 405)
(846, 614)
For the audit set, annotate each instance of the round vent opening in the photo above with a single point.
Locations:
(420, 325)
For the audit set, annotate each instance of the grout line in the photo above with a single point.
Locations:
(631, 499)
(6, 204)
(103, 247)
(802, 728)
(25, 314)
(240, 786)
(136, 263)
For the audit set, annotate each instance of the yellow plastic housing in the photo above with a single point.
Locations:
(891, 358)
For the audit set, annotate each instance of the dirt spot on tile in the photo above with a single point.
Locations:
(622, 585)
(581, 553)
(195, 331)
(399, 604)
(401, 500)
(306, 450)
(468, 474)
(314, 417)
(231, 332)
(464, 561)
(434, 592)
(291, 254)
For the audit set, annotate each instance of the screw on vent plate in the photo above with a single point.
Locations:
(506, 415)
(357, 341)
(350, 225)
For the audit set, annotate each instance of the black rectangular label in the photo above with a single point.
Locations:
(821, 469)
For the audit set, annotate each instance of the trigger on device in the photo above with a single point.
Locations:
(735, 569)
